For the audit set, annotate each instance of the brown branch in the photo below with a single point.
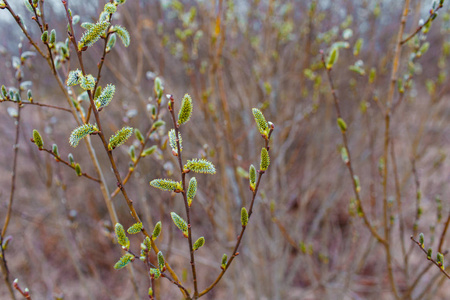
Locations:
(38, 104)
(430, 17)
(105, 144)
(59, 159)
(186, 205)
(431, 259)
(139, 156)
(349, 163)
(239, 239)
(444, 232)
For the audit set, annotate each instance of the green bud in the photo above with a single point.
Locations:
(252, 177)
(149, 151)
(139, 135)
(132, 153)
(244, 217)
(157, 230)
(265, 160)
(332, 58)
(78, 169)
(421, 240)
(342, 125)
(55, 150)
(52, 36)
(223, 264)
(199, 243)
(135, 228)
(161, 261)
(71, 160)
(122, 238)
(38, 139)
(44, 37)
(158, 124)
(429, 253)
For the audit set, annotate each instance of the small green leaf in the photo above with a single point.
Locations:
(200, 166)
(429, 253)
(198, 243)
(192, 190)
(135, 228)
(80, 133)
(165, 184)
(186, 110)
(244, 217)
(78, 169)
(120, 137)
(123, 261)
(265, 160)
(156, 230)
(38, 139)
(122, 238)
(180, 223)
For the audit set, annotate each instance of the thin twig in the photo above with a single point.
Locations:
(38, 104)
(239, 239)
(431, 259)
(59, 159)
(105, 145)
(430, 17)
(186, 205)
(349, 163)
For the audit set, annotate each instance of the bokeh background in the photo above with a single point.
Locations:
(305, 239)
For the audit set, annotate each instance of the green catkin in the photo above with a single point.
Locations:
(120, 137)
(186, 110)
(200, 166)
(80, 133)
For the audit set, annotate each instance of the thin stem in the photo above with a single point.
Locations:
(105, 145)
(139, 156)
(430, 17)
(186, 205)
(431, 259)
(39, 104)
(241, 235)
(444, 232)
(59, 159)
(349, 163)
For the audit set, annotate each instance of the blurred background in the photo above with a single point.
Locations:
(305, 239)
